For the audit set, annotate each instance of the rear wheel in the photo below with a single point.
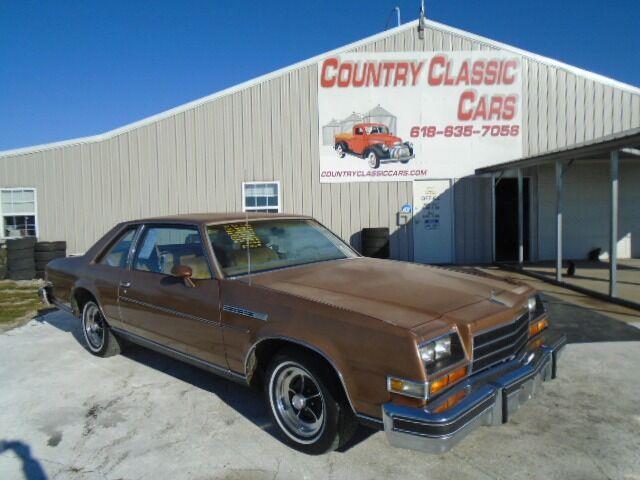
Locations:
(306, 404)
(100, 339)
(340, 150)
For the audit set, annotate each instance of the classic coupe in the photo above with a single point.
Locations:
(335, 339)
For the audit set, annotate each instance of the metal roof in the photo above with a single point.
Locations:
(589, 149)
(387, 33)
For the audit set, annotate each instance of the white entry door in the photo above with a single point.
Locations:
(433, 221)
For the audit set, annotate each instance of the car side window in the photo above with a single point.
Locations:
(117, 255)
(163, 248)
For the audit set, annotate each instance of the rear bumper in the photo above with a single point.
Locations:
(492, 397)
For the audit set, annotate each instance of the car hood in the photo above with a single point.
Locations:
(389, 140)
(399, 293)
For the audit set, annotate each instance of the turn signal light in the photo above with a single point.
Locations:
(452, 401)
(537, 327)
(443, 382)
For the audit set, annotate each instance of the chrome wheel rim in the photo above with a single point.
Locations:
(339, 151)
(372, 160)
(93, 326)
(298, 403)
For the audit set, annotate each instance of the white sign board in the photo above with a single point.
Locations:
(433, 221)
(415, 115)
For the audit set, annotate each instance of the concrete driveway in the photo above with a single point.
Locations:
(67, 414)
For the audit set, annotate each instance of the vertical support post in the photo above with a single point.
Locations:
(613, 238)
(493, 218)
(558, 221)
(520, 220)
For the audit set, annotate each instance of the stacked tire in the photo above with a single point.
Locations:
(21, 264)
(45, 252)
(375, 242)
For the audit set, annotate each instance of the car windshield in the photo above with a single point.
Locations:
(271, 244)
(377, 129)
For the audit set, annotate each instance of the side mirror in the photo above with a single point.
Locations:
(184, 272)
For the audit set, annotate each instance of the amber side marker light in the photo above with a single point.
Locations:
(452, 401)
(443, 382)
(538, 326)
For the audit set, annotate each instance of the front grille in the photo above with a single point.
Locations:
(500, 344)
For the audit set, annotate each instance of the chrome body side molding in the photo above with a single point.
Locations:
(177, 313)
(244, 312)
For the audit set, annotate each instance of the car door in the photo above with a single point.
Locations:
(108, 270)
(359, 140)
(184, 316)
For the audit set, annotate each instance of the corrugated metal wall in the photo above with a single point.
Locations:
(197, 159)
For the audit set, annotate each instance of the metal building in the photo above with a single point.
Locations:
(257, 146)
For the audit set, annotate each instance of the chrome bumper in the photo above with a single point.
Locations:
(492, 397)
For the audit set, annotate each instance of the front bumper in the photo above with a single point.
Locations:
(492, 397)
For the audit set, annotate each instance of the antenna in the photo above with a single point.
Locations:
(421, 20)
(246, 233)
(397, 10)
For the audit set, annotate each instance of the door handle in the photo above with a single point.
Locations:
(125, 284)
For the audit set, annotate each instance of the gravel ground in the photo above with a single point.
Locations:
(67, 414)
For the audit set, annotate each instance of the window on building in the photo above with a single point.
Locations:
(18, 210)
(261, 197)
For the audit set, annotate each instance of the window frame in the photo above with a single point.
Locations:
(264, 209)
(34, 213)
(114, 241)
(141, 235)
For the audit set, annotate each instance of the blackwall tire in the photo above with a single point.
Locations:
(21, 264)
(19, 254)
(26, 243)
(27, 274)
(340, 150)
(314, 395)
(51, 246)
(48, 256)
(98, 336)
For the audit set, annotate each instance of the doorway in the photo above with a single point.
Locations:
(507, 219)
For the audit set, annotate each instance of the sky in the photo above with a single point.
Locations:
(75, 68)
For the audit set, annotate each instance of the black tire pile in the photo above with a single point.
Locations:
(375, 242)
(27, 259)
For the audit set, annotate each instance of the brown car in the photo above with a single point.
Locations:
(335, 339)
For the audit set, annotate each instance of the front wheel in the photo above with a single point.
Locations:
(373, 160)
(306, 404)
(100, 339)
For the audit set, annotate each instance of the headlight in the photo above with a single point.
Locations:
(531, 305)
(409, 144)
(385, 148)
(436, 350)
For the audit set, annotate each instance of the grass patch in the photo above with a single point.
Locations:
(18, 300)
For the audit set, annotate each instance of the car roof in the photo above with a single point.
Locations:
(207, 218)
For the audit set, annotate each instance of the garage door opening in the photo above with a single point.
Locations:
(507, 219)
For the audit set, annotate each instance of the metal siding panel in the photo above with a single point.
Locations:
(626, 110)
(561, 109)
(580, 101)
(526, 99)
(303, 161)
(617, 110)
(314, 153)
(598, 108)
(635, 111)
(178, 184)
(589, 113)
(552, 110)
(532, 108)
(571, 109)
(608, 110)
(542, 108)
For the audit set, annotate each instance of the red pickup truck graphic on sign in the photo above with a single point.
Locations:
(373, 142)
